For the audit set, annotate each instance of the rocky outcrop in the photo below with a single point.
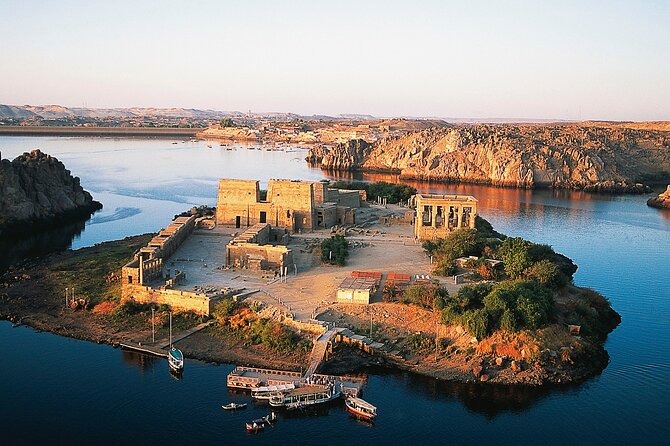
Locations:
(346, 155)
(662, 201)
(613, 159)
(37, 190)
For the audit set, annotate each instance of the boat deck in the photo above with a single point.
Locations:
(251, 377)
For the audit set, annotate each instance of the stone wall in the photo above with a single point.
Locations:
(272, 257)
(179, 300)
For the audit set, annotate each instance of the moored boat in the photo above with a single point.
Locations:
(255, 427)
(234, 406)
(303, 397)
(266, 392)
(175, 356)
(360, 408)
(176, 359)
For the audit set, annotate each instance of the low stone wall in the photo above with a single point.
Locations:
(274, 257)
(179, 300)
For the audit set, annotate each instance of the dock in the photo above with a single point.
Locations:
(248, 378)
(159, 348)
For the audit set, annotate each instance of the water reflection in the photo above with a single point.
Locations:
(143, 363)
(38, 244)
(490, 400)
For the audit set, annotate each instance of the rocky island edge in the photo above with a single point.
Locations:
(38, 192)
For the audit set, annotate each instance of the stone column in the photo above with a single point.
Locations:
(433, 214)
(459, 214)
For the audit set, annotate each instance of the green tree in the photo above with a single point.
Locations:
(515, 252)
(546, 273)
(334, 250)
(426, 295)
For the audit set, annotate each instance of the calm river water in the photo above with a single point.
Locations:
(61, 391)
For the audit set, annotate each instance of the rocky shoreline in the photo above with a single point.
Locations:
(578, 157)
(662, 201)
(37, 192)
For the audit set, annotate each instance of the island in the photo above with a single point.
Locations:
(328, 278)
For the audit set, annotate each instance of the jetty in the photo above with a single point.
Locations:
(248, 378)
(159, 348)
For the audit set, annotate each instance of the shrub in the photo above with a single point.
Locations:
(508, 321)
(460, 243)
(547, 274)
(515, 252)
(425, 295)
(418, 342)
(476, 322)
(445, 267)
(334, 250)
(470, 296)
(224, 309)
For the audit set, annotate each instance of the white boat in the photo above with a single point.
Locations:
(234, 406)
(361, 408)
(175, 356)
(266, 392)
(303, 397)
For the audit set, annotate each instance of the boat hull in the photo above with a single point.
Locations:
(358, 414)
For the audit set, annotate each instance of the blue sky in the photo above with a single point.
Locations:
(514, 59)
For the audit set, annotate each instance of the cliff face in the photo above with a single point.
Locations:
(569, 156)
(662, 201)
(36, 189)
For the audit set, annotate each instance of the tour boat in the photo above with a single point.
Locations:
(361, 408)
(303, 397)
(175, 356)
(266, 392)
(234, 406)
(255, 427)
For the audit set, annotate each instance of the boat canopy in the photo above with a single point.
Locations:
(278, 388)
(363, 404)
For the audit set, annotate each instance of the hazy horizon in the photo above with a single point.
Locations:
(476, 60)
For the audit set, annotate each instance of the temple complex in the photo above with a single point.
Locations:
(295, 205)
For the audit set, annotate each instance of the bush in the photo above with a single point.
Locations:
(547, 274)
(224, 309)
(418, 342)
(476, 322)
(515, 252)
(472, 296)
(426, 295)
(445, 267)
(334, 250)
(460, 243)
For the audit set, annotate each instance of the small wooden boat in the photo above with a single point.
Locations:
(267, 419)
(360, 408)
(234, 406)
(255, 427)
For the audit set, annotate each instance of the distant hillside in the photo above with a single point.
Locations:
(60, 112)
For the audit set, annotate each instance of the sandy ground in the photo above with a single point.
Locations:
(374, 247)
